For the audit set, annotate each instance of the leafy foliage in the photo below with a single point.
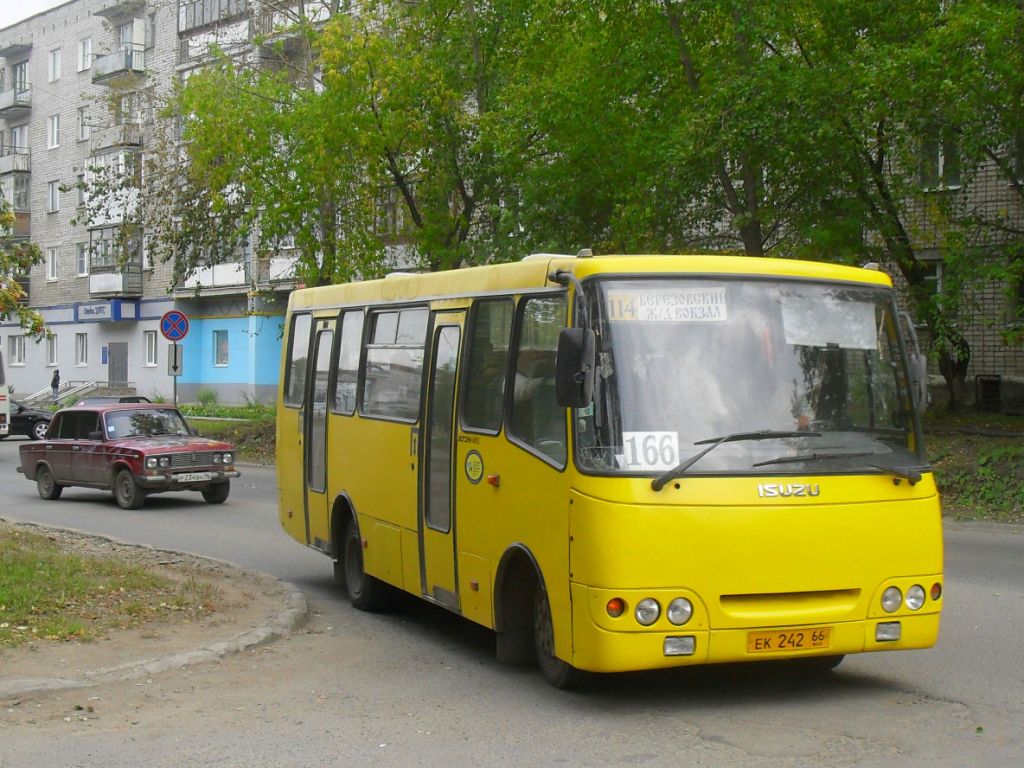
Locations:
(16, 259)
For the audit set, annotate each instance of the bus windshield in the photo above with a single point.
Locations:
(781, 376)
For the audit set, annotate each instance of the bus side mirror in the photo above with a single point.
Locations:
(918, 363)
(574, 368)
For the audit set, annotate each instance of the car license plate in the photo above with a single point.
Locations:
(789, 640)
(193, 477)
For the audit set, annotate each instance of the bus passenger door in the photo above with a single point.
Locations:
(315, 432)
(437, 503)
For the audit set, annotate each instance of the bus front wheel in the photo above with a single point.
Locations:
(365, 592)
(557, 672)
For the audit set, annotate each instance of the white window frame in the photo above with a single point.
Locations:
(151, 349)
(82, 259)
(84, 54)
(52, 196)
(51, 350)
(53, 131)
(84, 130)
(81, 350)
(83, 191)
(16, 350)
(53, 68)
(217, 362)
(51, 264)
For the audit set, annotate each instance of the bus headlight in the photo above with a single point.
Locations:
(679, 611)
(892, 599)
(915, 597)
(647, 611)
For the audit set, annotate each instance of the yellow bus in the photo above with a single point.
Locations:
(620, 463)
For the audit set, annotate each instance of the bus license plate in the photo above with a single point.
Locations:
(194, 477)
(785, 640)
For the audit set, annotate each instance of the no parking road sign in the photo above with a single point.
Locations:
(174, 325)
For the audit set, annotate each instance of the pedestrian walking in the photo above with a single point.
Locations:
(55, 384)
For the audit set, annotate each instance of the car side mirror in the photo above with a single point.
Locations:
(574, 367)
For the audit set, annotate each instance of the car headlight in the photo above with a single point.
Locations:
(647, 611)
(151, 462)
(165, 461)
(679, 611)
(216, 458)
(892, 599)
(915, 597)
(229, 458)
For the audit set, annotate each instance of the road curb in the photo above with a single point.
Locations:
(292, 614)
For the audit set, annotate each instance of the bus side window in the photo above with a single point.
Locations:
(490, 329)
(298, 361)
(344, 398)
(536, 418)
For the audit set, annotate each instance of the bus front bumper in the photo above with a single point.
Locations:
(599, 650)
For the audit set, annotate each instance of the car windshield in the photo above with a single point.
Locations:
(148, 422)
(781, 376)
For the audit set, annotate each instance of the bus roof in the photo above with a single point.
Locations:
(533, 273)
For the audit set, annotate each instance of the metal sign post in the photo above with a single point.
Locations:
(174, 327)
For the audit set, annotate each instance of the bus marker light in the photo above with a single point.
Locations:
(888, 632)
(494, 480)
(680, 646)
(616, 607)
(936, 591)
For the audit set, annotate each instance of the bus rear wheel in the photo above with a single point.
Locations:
(365, 592)
(557, 672)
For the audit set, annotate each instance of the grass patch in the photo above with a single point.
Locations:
(254, 439)
(47, 593)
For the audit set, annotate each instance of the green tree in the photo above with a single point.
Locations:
(16, 259)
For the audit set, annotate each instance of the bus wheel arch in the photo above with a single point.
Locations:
(514, 587)
(365, 592)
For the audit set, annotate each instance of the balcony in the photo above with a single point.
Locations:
(15, 160)
(202, 13)
(216, 279)
(24, 282)
(115, 281)
(16, 102)
(14, 49)
(125, 135)
(127, 61)
(22, 229)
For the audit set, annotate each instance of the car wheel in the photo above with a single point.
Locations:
(365, 592)
(557, 672)
(127, 492)
(47, 485)
(217, 493)
(38, 430)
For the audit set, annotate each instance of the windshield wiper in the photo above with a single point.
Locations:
(808, 457)
(765, 434)
(907, 473)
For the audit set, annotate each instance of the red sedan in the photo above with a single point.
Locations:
(132, 449)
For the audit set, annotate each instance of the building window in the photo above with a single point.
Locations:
(19, 76)
(53, 196)
(82, 259)
(83, 192)
(51, 349)
(54, 70)
(53, 131)
(51, 263)
(150, 348)
(16, 350)
(940, 161)
(83, 124)
(84, 54)
(81, 349)
(220, 347)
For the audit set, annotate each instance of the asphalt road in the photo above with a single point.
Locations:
(421, 687)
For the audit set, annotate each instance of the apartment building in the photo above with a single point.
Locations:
(78, 90)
